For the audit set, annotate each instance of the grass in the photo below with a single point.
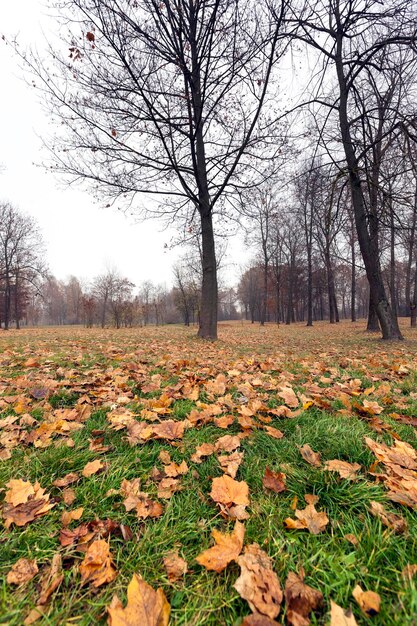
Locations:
(301, 356)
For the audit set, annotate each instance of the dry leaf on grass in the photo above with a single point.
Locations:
(256, 619)
(314, 458)
(343, 468)
(258, 584)
(308, 518)
(68, 496)
(227, 549)
(173, 469)
(301, 600)
(205, 449)
(340, 617)
(274, 432)
(22, 571)
(228, 443)
(275, 481)
(144, 606)
(68, 516)
(230, 463)
(289, 397)
(97, 567)
(369, 601)
(92, 468)
(66, 480)
(167, 487)
(393, 521)
(175, 566)
(24, 502)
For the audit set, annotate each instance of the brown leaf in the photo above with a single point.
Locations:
(22, 571)
(68, 479)
(92, 468)
(228, 443)
(169, 430)
(258, 584)
(256, 619)
(227, 491)
(68, 516)
(395, 522)
(167, 487)
(300, 600)
(369, 601)
(227, 548)
(314, 458)
(230, 463)
(289, 397)
(97, 567)
(52, 577)
(344, 469)
(175, 566)
(19, 492)
(173, 469)
(274, 432)
(32, 502)
(149, 508)
(144, 606)
(340, 617)
(274, 480)
(205, 449)
(308, 518)
(68, 496)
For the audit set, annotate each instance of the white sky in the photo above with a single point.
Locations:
(81, 237)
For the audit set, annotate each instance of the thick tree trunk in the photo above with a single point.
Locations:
(208, 313)
(353, 282)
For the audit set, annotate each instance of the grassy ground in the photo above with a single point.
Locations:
(76, 363)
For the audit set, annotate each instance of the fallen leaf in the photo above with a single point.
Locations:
(308, 518)
(175, 566)
(144, 606)
(229, 492)
(92, 468)
(68, 516)
(68, 479)
(230, 463)
(24, 502)
(274, 432)
(343, 468)
(394, 522)
(97, 567)
(256, 619)
(274, 480)
(289, 397)
(340, 617)
(22, 571)
(314, 458)
(369, 601)
(52, 577)
(227, 549)
(258, 584)
(228, 443)
(301, 600)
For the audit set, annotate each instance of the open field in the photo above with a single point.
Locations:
(137, 403)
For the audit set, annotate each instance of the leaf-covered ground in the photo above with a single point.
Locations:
(121, 451)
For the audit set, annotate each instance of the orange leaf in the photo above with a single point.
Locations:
(227, 548)
(144, 606)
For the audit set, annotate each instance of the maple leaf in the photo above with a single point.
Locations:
(310, 456)
(92, 468)
(68, 516)
(169, 430)
(175, 566)
(345, 470)
(369, 601)
(227, 549)
(22, 571)
(173, 469)
(144, 606)
(230, 463)
(148, 508)
(68, 495)
(205, 449)
(340, 617)
(68, 479)
(308, 518)
(32, 502)
(274, 481)
(289, 397)
(227, 491)
(228, 443)
(167, 487)
(300, 599)
(258, 584)
(97, 567)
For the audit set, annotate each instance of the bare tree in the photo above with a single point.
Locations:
(165, 98)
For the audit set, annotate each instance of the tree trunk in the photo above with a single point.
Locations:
(208, 313)
(353, 282)
(368, 245)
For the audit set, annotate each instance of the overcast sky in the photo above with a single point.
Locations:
(81, 236)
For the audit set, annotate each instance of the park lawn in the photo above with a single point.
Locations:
(69, 396)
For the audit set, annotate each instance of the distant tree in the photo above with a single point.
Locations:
(21, 261)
